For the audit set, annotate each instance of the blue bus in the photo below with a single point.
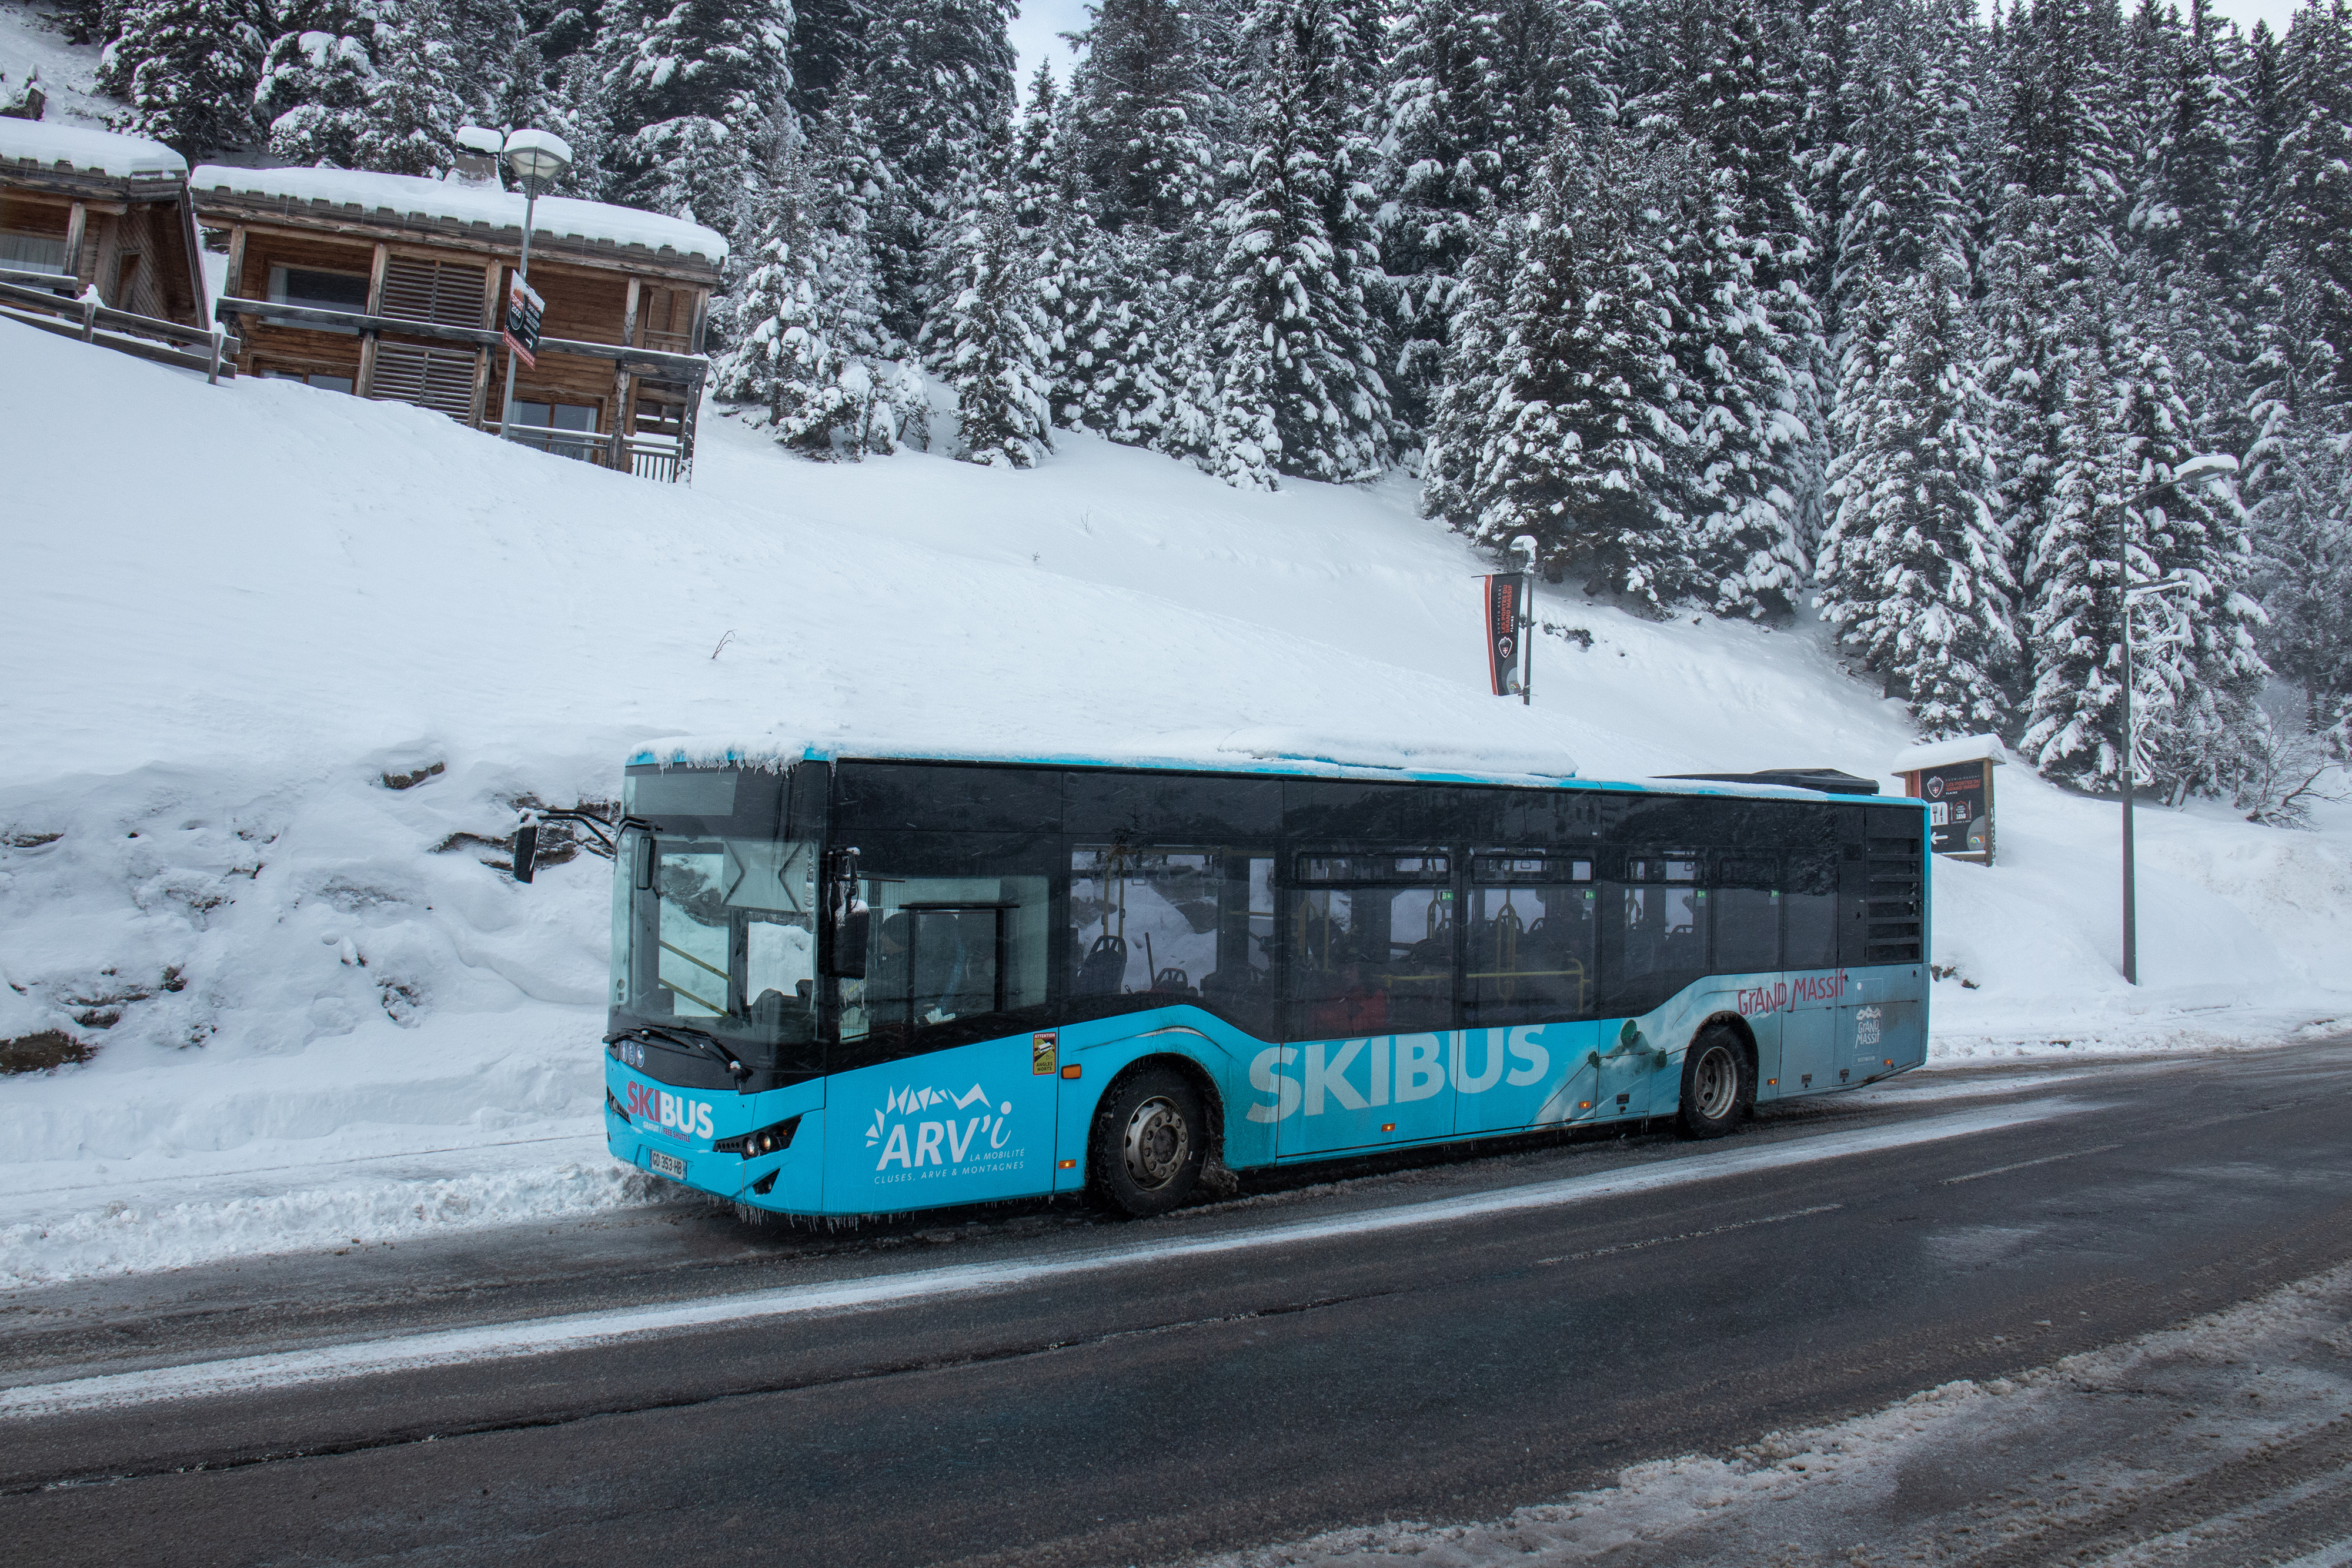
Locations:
(855, 985)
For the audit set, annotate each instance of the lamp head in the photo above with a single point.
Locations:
(537, 157)
(2205, 462)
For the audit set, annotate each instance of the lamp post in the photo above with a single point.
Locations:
(1525, 543)
(538, 159)
(2195, 468)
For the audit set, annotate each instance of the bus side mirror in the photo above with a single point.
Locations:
(849, 943)
(526, 849)
(846, 918)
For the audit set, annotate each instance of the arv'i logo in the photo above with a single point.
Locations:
(950, 1141)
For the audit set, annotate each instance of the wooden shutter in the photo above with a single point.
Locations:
(445, 293)
(437, 378)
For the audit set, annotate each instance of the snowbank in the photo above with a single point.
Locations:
(277, 689)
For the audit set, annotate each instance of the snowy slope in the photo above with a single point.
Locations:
(240, 611)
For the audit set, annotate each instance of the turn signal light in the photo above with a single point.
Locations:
(1066, 1164)
(1072, 1071)
(1584, 1105)
(766, 1141)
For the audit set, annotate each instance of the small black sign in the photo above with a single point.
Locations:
(1959, 813)
(524, 308)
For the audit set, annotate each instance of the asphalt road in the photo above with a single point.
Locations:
(1445, 1341)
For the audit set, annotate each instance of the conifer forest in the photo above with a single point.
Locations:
(1889, 308)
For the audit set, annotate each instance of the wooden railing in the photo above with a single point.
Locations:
(688, 368)
(46, 301)
(670, 459)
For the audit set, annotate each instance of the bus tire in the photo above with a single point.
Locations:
(1149, 1142)
(1718, 1084)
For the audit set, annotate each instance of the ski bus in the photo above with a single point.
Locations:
(849, 985)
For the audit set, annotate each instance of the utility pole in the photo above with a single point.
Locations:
(2196, 467)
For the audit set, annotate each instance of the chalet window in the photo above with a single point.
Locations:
(32, 252)
(439, 379)
(322, 381)
(317, 290)
(446, 293)
(533, 419)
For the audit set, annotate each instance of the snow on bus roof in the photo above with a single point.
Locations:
(1276, 752)
(85, 151)
(560, 217)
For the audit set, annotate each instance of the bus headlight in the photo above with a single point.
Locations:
(766, 1141)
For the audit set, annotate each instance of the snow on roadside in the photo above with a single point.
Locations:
(2083, 1438)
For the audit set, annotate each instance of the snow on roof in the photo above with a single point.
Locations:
(481, 139)
(1945, 753)
(1260, 752)
(558, 217)
(49, 144)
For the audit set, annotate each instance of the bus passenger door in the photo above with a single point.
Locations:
(1370, 982)
(1809, 955)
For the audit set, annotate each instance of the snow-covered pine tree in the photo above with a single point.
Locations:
(2072, 610)
(988, 337)
(689, 86)
(1052, 221)
(2051, 277)
(413, 110)
(784, 362)
(937, 75)
(188, 68)
(2303, 577)
(2195, 691)
(1141, 115)
(1299, 387)
(2312, 222)
(1913, 567)
(1471, 92)
(1565, 417)
(1750, 332)
(315, 89)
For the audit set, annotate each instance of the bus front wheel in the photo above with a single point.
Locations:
(1149, 1142)
(1717, 1084)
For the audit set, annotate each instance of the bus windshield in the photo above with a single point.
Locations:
(715, 926)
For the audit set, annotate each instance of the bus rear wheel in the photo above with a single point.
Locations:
(1149, 1142)
(1717, 1084)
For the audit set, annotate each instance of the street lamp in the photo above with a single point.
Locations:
(2195, 468)
(538, 159)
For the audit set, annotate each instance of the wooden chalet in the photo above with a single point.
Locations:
(390, 286)
(84, 210)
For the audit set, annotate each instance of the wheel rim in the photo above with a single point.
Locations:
(1717, 1084)
(1157, 1142)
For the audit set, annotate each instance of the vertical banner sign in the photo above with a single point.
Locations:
(1507, 601)
(524, 308)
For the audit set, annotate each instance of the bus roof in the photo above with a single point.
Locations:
(1259, 753)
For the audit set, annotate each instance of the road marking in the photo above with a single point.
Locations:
(499, 1341)
(2027, 1164)
(1688, 1235)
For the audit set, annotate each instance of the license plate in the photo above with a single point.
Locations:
(669, 1164)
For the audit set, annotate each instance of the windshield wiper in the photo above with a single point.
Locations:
(692, 1039)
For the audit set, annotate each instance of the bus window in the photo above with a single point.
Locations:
(1173, 925)
(944, 949)
(1746, 901)
(1369, 955)
(1809, 911)
(1532, 923)
(1659, 945)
